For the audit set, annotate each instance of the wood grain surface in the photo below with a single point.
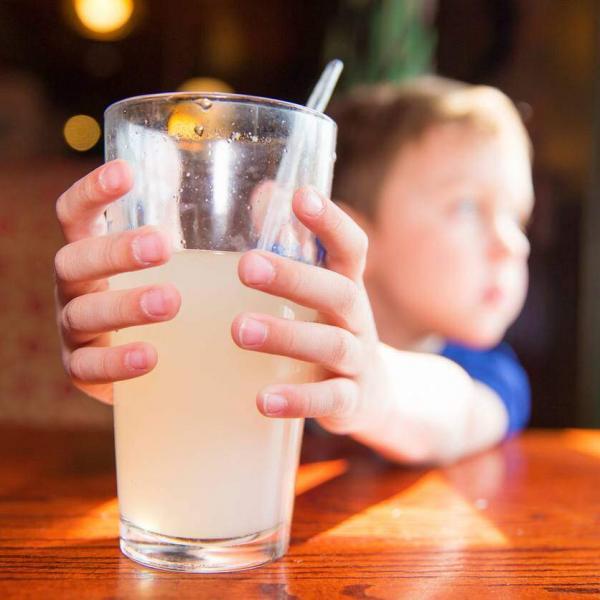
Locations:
(521, 521)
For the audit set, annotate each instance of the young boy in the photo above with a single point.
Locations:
(437, 174)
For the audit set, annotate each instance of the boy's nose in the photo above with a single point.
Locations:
(507, 239)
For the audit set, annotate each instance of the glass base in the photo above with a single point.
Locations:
(203, 556)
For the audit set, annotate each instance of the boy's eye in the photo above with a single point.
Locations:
(466, 207)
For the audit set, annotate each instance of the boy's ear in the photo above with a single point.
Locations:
(359, 218)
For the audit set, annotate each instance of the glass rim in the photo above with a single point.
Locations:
(221, 97)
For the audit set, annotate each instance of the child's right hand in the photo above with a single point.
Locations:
(87, 311)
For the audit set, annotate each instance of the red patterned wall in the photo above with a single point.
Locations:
(33, 386)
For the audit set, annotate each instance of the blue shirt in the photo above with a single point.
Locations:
(500, 369)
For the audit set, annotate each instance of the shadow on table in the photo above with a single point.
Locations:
(339, 478)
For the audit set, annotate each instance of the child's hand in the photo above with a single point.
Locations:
(344, 342)
(86, 310)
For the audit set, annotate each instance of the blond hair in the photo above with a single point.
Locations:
(376, 122)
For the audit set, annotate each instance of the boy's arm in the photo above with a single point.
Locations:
(435, 411)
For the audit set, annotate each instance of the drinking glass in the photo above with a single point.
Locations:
(205, 482)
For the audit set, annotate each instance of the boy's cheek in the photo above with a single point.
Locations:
(441, 280)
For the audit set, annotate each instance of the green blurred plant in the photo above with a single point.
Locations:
(381, 40)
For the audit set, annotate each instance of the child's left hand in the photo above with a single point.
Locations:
(344, 340)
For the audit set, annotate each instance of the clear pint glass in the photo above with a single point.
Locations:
(205, 482)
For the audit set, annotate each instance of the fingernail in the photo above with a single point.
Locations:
(274, 404)
(154, 304)
(312, 203)
(136, 359)
(258, 270)
(252, 333)
(148, 248)
(110, 178)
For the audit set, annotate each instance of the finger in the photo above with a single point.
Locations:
(259, 202)
(332, 294)
(334, 348)
(104, 365)
(336, 399)
(81, 208)
(84, 317)
(346, 243)
(90, 259)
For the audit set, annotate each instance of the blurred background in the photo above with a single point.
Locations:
(63, 61)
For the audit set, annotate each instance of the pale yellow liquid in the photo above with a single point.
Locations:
(195, 458)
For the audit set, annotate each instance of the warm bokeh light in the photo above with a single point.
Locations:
(104, 19)
(187, 121)
(82, 132)
(205, 84)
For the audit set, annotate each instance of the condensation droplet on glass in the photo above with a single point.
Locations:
(199, 130)
(254, 138)
(187, 173)
(234, 136)
(205, 103)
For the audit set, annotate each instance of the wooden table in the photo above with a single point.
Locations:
(521, 521)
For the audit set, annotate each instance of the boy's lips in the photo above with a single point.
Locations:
(493, 294)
